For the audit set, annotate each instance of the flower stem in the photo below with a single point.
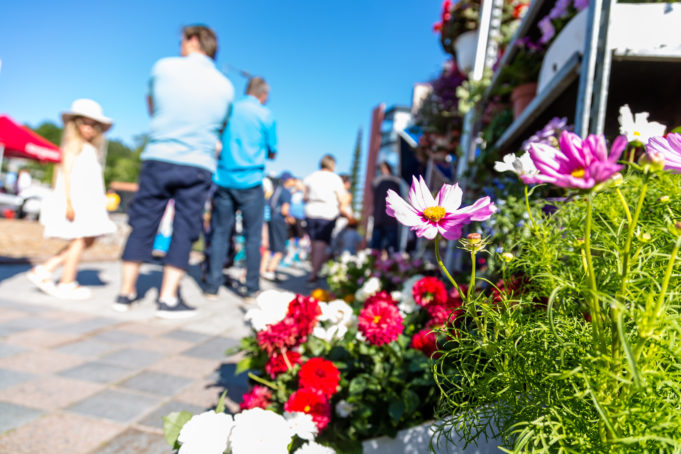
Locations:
(262, 381)
(529, 212)
(443, 268)
(630, 235)
(591, 275)
(471, 285)
(667, 277)
(624, 204)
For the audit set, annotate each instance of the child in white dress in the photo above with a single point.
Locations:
(76, 209)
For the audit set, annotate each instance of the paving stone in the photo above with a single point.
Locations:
(164, 345)
(88, 348)
(50, 392)
(203, 393)
(118, 337)
(64, 316)
(155, 418)
(212, 349)
(86, 326)
(186, 366)
(117, 405)
(189, 336)
(9, 350)
(26, 323)
(149, 328)
(156, 383)
(39, 338)
(134, 441)
(11, 378)
(10, 314)
(40, 362)
(132, 358)
(97, 372)
(13, 416)
(59, 433)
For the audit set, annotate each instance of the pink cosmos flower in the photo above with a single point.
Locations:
(579, 164)
(380, 323)
(428, 216)
(670, 148)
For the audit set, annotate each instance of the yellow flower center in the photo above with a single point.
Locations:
(377, 318)
(307, 409)
(578, 173)
(637, 134)
(434, 213)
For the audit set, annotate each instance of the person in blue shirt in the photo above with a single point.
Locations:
(277, 227)
(189, 102)
(248, 140)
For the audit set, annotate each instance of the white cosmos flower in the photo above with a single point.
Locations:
(301, 424)
(343, 408)
(271, 307)
(521, 166)
(637, 127)
(258, 430)
(371, 286)
(206, 433)
(314, 448)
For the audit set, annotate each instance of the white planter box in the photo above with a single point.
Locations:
(416, 440)
(644, 29)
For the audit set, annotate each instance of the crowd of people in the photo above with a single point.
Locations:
(204, 149)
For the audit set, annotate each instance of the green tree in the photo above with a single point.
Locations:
(122, 162)
(354, 172)
(40, 170)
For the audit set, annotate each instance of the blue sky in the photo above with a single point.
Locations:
(328, 63)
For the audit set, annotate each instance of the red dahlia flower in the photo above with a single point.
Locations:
(380, 296)
(279, 336)
(258, 397)
(321, 375)
(380, 323)
(441, 315)
(425, 341)
(429, 290)
(277, 363)
(312, 403)
(305, 311)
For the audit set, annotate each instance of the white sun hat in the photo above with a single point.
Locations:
(89, 109)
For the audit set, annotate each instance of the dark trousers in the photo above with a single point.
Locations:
(226, 202)
(159, 182)
(384, 237)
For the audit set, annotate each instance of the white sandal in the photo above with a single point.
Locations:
(42, 279)
(72, 291)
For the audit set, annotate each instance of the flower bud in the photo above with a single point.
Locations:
(643, 237)
(579, 242)
(474, 238)
(652, 160)
(664, 199)
(675, 229)
(507, 257)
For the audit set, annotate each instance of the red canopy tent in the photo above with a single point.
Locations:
(18, 141)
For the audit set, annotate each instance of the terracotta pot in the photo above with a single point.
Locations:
(521, 96)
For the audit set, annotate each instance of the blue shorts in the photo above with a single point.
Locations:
(159, 182)
(277, 230)
(320, 229)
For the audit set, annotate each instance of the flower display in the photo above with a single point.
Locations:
(248, 435)
(429, 290)
(670, 149)
(302, 425)
(298, 323)
(321, 375)
(258, 397)
(578, 164)
(312, 403)
(206, 433)
(380, 323)
(425, 341)
(281, 362)
(370, 287)
(336, 318)
(637, 128)
(429, 217)
(271, 307)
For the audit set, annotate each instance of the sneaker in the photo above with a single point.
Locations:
(71, 291)
(178, 311)
(42, 279)
(123, 303)
(269, 275)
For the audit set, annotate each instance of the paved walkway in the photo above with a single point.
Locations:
(77, 377)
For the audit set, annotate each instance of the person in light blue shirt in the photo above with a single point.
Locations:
(248, 140)
(189, 103)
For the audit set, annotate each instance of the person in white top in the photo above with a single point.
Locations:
(325, 200)
(76, 208)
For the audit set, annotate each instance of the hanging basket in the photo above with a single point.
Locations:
(465, 46)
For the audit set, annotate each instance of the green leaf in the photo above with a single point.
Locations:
(358, 385)
(411, 400)
(220, 408)
(243, 365)
(396, 410)
(172, 425)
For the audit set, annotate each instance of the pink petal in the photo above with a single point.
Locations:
(419, 195)
(571, 145)
(398, 208)
(451, 227)
(481, 210)
(449, 197)
(426, 230)
(618, 146)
